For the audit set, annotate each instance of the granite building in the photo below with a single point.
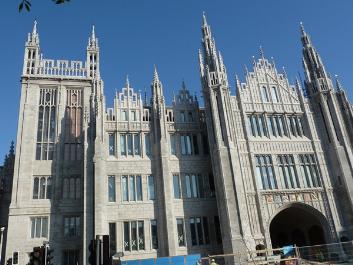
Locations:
(266, 167)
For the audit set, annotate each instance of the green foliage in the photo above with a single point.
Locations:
(27, 4)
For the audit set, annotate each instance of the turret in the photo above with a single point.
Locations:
(93, 56)
(32, 50)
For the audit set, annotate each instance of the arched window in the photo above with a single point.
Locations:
(72, 188)
(264, 94)
(49, 188)
(66, 188)
(274, 94)
(35, 188)
(78, 188)
(42, 188)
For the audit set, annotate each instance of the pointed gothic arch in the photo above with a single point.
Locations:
(299, 224)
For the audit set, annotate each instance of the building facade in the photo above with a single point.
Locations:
(269, 166)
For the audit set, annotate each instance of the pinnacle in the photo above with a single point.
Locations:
(155, 75)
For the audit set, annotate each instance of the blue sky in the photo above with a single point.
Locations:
(136, 34)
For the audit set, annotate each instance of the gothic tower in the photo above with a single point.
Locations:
(333, 121)
(221, 130)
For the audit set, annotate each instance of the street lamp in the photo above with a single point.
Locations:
(2, 229)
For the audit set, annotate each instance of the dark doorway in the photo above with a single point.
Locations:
(297, 226)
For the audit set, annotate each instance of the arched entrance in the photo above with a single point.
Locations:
(298, 224)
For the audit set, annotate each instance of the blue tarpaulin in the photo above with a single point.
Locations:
(288, 250)
(176, 260)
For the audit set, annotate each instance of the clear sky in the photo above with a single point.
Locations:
(136, 34)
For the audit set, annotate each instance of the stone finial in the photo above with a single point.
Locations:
(204, 20)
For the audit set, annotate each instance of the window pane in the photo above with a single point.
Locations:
(112, 238)
(125, 188)
(49, 187)
(199, 230)
(137, 144)
(180, 228)
(151, 191)
(133, 235)
(123, 145)
(112, 144)
(205, 229)
(172, 144)
(138, 188)
(65, 188)
(200, 186)
(126, 236)
(78, 188)
(38, 226)
(148, 144)
(44, 227)
(154, 234)
(111, 188)
(141, 236)
(188, 145)
(33, 227)
(193, 231)
(35, 188)
(42, 188)
(132, 188)
(129, 144)
(176, 186)
(183, 145)
(274, 94)
(194, 186)
(188, 186)
(195, 144)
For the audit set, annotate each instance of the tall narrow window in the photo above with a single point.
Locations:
(73, 125)
(195, 144)
(111, 189)
(264, 94)
(148, 144)
(123, 145)
(176, 186)
(70, 257)
(112, 144)
(274, 94)
(218, 230)
(173, 144)
(212, 186)
(125, 188)
(46, 127)
(138, 188)
(151, 188)
(182, 116)
(136, 144)
(112, 238)
(126, 236)
(193, 231)
(154, 234)
(129, 144)
(180, 230)
(205, 144)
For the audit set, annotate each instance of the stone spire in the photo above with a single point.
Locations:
(157, 89)
(33, 37)
(313, 65)
(127, 82)
(339, 86)
(93, 40)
